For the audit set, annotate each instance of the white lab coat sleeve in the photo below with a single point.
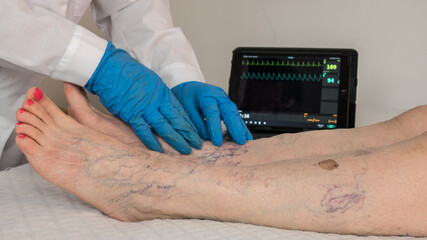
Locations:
(37, 40)
(144, 28)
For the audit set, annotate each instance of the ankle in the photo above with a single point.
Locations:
(165, 189)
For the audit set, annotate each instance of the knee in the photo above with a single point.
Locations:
(412, 120)
(421, 109)
(417, 114)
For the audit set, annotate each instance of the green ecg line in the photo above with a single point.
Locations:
(281, 63)
(284, 76)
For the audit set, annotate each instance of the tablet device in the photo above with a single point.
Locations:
(279, 90)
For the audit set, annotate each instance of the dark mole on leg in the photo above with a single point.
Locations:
(328, 164)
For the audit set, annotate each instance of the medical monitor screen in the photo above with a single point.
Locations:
(292, 89)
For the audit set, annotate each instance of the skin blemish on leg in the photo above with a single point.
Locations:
(328, 164)
(223, 153)
(361, 153)
(340, 199)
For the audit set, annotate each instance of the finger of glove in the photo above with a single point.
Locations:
(212, 114)
(182, 124)
(143, 131)
(181, 111)
(199, 123)
(248, 133)
(232, 121)
(162, 127)
(193, 113)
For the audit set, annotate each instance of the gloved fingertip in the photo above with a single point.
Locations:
(237, 138)
(156, 148)
(248, 133)
(194, 140)
(199, 145)
(237, 135)
(249, 137)
(144, 133)
(215, 132)
(160, 150)
(185, 151)
(240, 141)
(217, 141)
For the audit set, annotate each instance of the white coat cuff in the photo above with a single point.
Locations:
(81, 58)
(177, 73)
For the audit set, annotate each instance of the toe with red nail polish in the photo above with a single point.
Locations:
(38, 94)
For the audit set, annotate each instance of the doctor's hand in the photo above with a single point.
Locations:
(204, 101)
(139, 97)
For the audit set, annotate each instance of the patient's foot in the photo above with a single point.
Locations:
(99, 169)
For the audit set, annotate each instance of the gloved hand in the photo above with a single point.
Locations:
(202, 100)
(138, 96)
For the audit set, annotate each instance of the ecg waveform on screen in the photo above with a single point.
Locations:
(284, 76)
(280, 63)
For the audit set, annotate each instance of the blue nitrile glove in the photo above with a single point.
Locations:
(137, 95)
(202, 100)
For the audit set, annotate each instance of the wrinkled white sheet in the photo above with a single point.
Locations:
(32, 208)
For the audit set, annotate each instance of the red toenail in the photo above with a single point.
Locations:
(38, 94)
(30, 102)
(19, 123)
(21, 110)
(21, 135)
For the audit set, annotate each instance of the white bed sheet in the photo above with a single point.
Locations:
(32, 208)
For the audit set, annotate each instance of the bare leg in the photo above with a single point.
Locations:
(378, 191)
(287, 146)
